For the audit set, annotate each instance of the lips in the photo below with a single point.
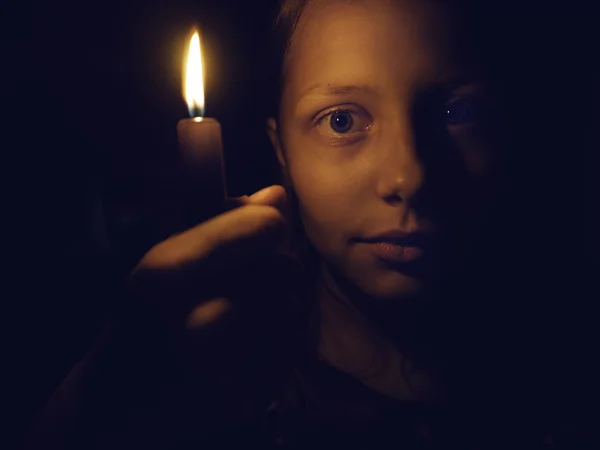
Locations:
(396, 253)
(397, 246)
(399, 237)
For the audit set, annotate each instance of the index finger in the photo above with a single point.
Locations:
(223, 240)
(270, 196)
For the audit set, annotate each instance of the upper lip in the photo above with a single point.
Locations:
(415, 238)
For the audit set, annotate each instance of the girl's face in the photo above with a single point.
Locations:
(380, 135)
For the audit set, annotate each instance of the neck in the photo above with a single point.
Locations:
(353, 339)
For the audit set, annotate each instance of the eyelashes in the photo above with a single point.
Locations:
(343, 120)
(343, 124)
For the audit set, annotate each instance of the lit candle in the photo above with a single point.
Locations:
(200, 146)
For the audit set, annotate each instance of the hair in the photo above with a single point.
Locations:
(475, 18)
(284, 26)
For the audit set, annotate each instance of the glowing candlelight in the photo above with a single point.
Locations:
(200, 143)
(194, 79)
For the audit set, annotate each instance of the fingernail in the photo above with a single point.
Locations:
(260, 193)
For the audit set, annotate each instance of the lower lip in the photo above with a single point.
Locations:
(396, 253)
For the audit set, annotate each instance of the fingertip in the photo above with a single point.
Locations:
(273, 195)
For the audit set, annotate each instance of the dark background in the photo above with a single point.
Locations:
(91, 94)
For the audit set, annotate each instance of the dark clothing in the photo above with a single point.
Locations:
(133, 392)
(101, 406)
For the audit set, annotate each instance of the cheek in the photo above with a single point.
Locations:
(329, 193)
(332, 205)
(323, 194)
(475, 152)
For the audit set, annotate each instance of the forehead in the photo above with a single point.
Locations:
(368, 41)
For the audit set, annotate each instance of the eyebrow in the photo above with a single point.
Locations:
(458, 80)
(449, 83)
(337, 89)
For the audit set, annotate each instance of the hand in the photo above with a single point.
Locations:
(218, 289)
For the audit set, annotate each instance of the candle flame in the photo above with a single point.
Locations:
(194, 79)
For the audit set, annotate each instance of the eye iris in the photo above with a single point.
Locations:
(463, 111)
(340, 122)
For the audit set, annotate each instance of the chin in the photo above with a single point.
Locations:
(390, 287)
(378, 283)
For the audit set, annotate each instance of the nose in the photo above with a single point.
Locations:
(401, 173)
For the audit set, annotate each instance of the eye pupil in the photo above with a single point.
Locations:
(341, 122)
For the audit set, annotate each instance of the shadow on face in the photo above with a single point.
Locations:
(385, 134)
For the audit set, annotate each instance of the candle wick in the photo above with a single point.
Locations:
(196, 111)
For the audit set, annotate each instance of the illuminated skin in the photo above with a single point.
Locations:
(361, 171)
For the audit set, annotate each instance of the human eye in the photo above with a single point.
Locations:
(343, 124)
(463, 111)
